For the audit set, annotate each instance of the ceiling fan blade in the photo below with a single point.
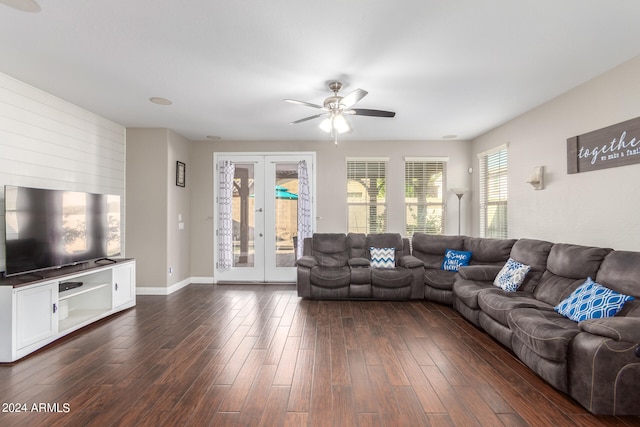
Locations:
(23, 5)
(308, 118)
(308, 104)
(371, 113)
(353, 97)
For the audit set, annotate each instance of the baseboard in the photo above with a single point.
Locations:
(204, 280)
(164, 291)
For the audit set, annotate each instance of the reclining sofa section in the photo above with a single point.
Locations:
(339, 266)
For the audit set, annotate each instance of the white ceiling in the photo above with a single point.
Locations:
(446, 67)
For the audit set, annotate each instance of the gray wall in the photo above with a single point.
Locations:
(156, 203)
(147, 207)
(178, 210)
(597, 208)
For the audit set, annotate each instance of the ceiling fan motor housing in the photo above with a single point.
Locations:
(333, 103)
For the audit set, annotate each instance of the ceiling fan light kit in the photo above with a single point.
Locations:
(335, 107)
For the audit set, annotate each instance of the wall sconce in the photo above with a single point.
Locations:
(536, 179)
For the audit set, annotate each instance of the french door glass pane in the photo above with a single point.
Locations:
(243, 216)
(286, 213)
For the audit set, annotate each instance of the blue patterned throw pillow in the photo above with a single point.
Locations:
(592, 301)
(511, 275)
(383, 257)
(455, 259)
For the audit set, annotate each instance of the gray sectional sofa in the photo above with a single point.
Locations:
(596, 361)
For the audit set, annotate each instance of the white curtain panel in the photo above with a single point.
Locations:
(304, 206)
(225, 215)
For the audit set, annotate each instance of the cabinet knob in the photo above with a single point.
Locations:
(55, 308)
(116, 286)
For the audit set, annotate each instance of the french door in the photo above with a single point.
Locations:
(264, 213)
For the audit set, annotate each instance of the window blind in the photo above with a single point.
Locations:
(424, 186)
(493, 194)
(366, 191)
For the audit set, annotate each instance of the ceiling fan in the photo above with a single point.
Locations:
(336, 107)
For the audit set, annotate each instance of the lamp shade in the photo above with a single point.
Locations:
(336, 123)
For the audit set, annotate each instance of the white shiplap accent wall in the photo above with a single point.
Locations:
(46, 142)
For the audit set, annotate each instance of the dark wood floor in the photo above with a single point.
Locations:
(254, 355)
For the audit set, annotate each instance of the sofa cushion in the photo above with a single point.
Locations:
(326, 277)
(488, 251)
(385, 240)
(511, 275)
(383, 257)
(439, 279)
(534, 253)
(498, 304)
(467, 291)
(430, 248)
(391, 277)
(453, 259)
(592, 301)
(620, 271)
(330, 249)
(575, 261)
(357, 245)
(545, 332)
(567, 268)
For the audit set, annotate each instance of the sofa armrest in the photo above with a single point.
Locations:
(410, 261)
(625, 329)
(485, 273)
(359, 262)
(307, 261)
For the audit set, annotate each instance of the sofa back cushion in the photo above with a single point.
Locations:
(620, 271)
(533, 253)
(568, 266)
(386, 240)
(488, 251)
(430, 249)
(330, 249)
(357, 245)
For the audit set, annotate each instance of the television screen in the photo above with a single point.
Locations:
(53, 228)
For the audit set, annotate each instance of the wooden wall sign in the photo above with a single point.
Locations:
(609, 147)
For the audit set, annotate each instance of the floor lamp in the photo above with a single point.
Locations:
(459, 192)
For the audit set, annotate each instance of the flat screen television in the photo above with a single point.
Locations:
(47, 229)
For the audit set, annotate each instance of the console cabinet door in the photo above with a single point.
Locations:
(123, 284)
(36, 314)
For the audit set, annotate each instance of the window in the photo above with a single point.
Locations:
(366, 190)
(493, 193)
(423, 190)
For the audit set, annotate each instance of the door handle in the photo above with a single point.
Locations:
(259, 210)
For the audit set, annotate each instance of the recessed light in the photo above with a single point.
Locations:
(213, 137)
(449, 136)
(23, 5)
(160, 101)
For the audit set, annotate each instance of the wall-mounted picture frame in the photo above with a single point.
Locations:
(181, 172)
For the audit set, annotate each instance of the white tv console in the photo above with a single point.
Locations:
(34, 313)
